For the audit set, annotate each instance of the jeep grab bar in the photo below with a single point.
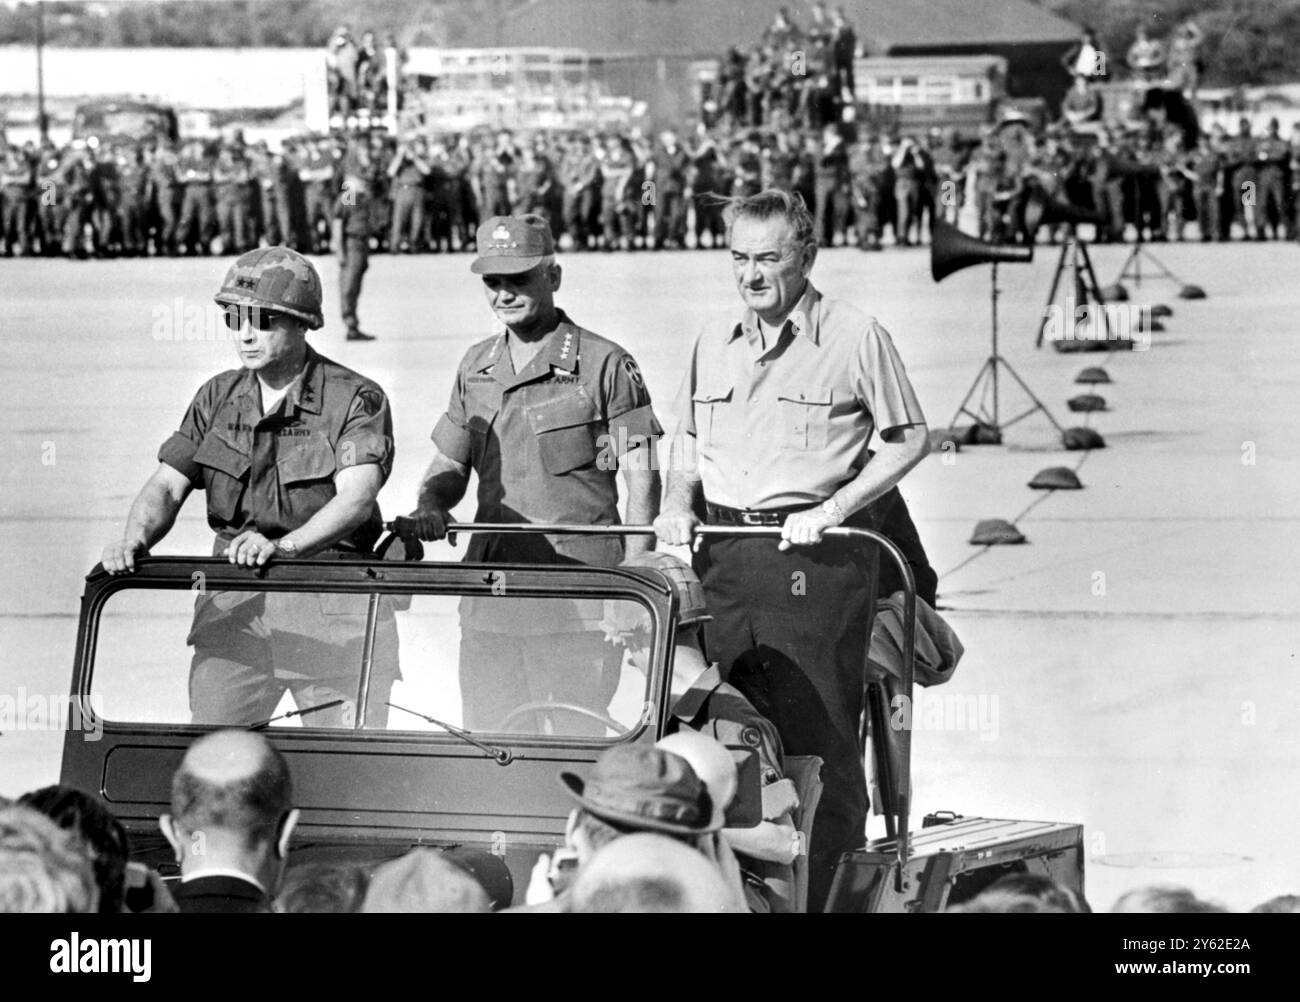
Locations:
(897, 801)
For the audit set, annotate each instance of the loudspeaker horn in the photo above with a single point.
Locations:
(951, 250)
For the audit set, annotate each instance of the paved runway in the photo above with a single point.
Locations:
(1132, 668)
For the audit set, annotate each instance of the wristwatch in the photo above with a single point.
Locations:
(286, 547)
(831, 507)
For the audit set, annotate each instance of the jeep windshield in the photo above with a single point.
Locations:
(505, 653)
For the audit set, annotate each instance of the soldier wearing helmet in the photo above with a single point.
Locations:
(291, 449)
(704, 704)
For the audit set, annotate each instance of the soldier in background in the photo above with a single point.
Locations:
(163, 197)
(947, 175)
(317, 174)
(1293, 215)
(50, 211)
(582, 179)
(1243, 183)
(351, 232)
(909, 183)
(1272, 159)
(407, 171)
(17, 196)
(615, 183)
(832, 184)
(132, 201)
(194, 230)
(76, 187)
(1207, 187)
(747, 166)
(498, 176)
(230, 178)
(670, 164)
(1175, 175)
(465, 207)
(844, 46)
(273, 221)
(704, 188)
(868, 167)
(986, 163)
(105, 193)
(437, 200)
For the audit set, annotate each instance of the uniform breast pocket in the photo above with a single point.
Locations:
(566, 431)
(224, 469)
(710, 411)
(306, 460)
(805, 417)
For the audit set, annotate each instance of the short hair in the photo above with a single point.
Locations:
(424, 881)
(1282, 904)
(99, 829)
(322, 888)
(1041, 888)
(252, 804)
(43, 868)
(773, 204)
(1023, 892)
(1163, 900)
(641, 894)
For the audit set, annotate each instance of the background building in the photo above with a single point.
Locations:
(656, 49)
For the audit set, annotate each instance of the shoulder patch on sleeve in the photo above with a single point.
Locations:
(632, 370)
(751, 736)
(372, 400)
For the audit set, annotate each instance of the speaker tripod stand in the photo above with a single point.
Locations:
(1133, 269)
(989, 410)
(1074, 255)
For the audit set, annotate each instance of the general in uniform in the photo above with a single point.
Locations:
(777, 411)
(291, 450)
(546, 413)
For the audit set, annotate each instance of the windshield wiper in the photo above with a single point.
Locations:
(262, 724)
(503, 756)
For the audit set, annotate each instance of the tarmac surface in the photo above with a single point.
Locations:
(1133, 667)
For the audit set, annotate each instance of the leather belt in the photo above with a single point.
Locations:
(752, 516)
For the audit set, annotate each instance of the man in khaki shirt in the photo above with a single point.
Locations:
(777, 412)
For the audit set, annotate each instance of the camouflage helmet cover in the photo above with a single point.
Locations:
(275, 278)
(682, 579)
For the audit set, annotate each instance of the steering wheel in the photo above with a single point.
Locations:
(508, 721)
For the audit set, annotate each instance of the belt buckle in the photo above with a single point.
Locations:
(757, 518)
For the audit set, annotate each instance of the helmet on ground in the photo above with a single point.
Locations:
(275, 278)
(690, 593)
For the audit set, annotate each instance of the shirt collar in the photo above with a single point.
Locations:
(223, 871)
(804, 319)
(564, 343)
(693, 699)
(304, 393)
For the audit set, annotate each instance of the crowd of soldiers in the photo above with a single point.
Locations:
(628, 191)
(356, 74)
(794, 77)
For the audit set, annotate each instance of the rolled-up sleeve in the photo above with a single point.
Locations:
(451, 434)
(178, 451)
(628, 411)
(881, 382)
(367, 433)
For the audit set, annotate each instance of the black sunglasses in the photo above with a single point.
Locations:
(262, 320)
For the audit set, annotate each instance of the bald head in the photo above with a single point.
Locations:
(235, 782)
(650, 873)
